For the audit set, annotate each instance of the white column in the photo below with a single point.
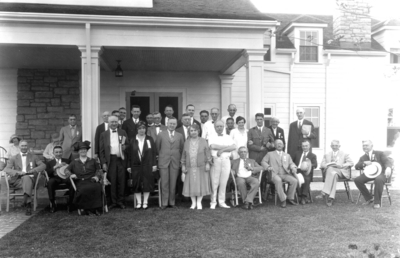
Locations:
(255, 84)
(226, 92)
(90, 93)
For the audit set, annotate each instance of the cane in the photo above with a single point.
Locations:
(103, 188)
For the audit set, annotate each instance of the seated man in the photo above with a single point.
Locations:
(246, 172)
(54, 179)
(23, 169)
(366, 160)
(335, 165)
(282, 169)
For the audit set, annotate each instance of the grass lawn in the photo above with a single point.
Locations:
(313, 230)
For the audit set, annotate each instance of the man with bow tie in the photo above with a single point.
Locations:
(130, 125)
(209, 126)
(281, 169)
(246, 172)
(370, 156)
(112, 158)
(69, 135)
(23, 170)
(54, 180)
(335, 165)
(157, 127)
(169, 145)
(99, 130)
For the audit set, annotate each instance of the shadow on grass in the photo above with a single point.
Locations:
(313, 230)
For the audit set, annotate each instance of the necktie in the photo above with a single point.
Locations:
(367, 153)
(304, 156)
(171, 135)
(58, 161)
(73, 131)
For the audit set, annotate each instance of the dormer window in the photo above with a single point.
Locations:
(308, 46)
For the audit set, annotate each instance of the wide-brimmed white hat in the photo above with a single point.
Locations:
(306, 166)
(300, 179)
(61, 172)
(373, 170)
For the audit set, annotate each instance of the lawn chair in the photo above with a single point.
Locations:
(3, 155)
(61, 188)
(345, 182)
(12, 191)
(156, 195)
(387, 184)
(235, 194)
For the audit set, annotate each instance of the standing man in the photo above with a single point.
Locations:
(277, 132)
(112, 158)
(335, 164)
(305, 156)
(157, 126)
(130, 125)
(168, 111)
(230, 125)
(149, 120)
(366, 160)
(184, 130)
(260, 139)
(190, 109)
(209, 126)
(232, 114)
(99, 130)
(169, 147)
(23, 170)
(69, 135)
(48, 153)
(282, 169)
(298, 131)
(122, 115)
(221, 146)
(204, 115)
(54, 180)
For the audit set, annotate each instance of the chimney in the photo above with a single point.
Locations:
(352, 24)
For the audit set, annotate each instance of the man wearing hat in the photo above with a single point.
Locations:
(69, 135)
(306, 161)
(282, 169)
(379, 173)
(23, 169)
(56, 177)
(48, 153)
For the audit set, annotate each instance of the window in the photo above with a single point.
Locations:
(308, 46)
(312, 114)
(268, 114)
(267, 56)
(394, 55)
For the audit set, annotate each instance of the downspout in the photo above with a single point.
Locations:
(328, 61)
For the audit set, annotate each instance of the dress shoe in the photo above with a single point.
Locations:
(193, 206)
(112, 206)
(212, 206)
(163, 207)
(245, 206)
(28, 209)
(251, 206)
(223, 205)
(52, 209)
(139, 206)
(199, 206)
(97, 213)
(368, 202)
(292, 202)
(303, 201)
(329, 202)
(174, 207)
(283, 204)
(145, 206)
(377, 206)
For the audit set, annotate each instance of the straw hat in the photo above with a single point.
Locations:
(300, 179)
(61, 172)
(14, 136)
(306, 166)
(373, 170)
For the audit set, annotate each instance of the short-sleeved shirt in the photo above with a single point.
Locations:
(220, 140)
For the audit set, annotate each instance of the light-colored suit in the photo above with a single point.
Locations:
(169, 156)
(152, 131)
(281, 172)
(344, 161)
(68, 140)
(251, 180)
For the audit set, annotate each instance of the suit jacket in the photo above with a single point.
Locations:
(105, 147)
(280, 134)
(130, 128)
(147, 157)
(378, 156)
(342, 159)
(164, 119)
(256, 167)
(311, 156)
(181, 131)
(169, 152)
(14, 165)
(296, 137)
(180, 124)
(99, 130)
(272, 159)
(259, 140)
(50, 167)
(152, 131)
(68, 140)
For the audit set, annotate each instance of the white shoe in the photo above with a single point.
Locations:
(223, 205)
(193, 206)
(199, 206)
(213, 206)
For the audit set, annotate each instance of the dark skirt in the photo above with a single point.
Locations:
(88, 195)
(143, 179)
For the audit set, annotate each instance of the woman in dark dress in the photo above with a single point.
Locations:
(142, 164)
(87, 174)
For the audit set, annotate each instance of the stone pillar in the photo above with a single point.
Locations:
(255, 84)
(90, 93)
(226, 92)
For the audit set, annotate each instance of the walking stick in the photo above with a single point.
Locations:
(103, 188)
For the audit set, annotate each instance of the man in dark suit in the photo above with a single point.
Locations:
(112, 158)
(246, 171)
(300, 157)
(99, 130)
(54, 179)
(168, 111)
(190, 109)
(277, 132)
(297, 133)
(260, 139)
(157, 127)
(130, 125)
(169, 147)
(149, 120)
(23, 170)
(366, 160)
(69, 135)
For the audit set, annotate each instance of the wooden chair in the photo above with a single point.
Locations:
(235, 194)
(12, 191)
(61, 188)
(345, 182)
(156, 195)
(284, 184)
(387, 184)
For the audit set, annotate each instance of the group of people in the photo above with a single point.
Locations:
(191, 158)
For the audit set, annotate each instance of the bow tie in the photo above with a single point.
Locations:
(114, 131)
(157, 125)
(220, 135)
(24, 155)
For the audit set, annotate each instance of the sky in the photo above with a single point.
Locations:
(381, 9)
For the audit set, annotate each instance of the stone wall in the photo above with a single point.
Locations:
(45, 100)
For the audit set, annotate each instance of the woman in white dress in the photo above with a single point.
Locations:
(14, 148)
(239, 135)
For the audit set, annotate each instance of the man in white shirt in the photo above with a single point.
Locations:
(130, 125)
(169, 112)
(221, 147)
(209, 126)
(232, 114)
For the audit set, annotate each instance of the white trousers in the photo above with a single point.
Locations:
(220, 171)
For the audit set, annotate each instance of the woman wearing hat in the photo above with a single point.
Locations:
(87, 174)
(14, 149)
(142, 163)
